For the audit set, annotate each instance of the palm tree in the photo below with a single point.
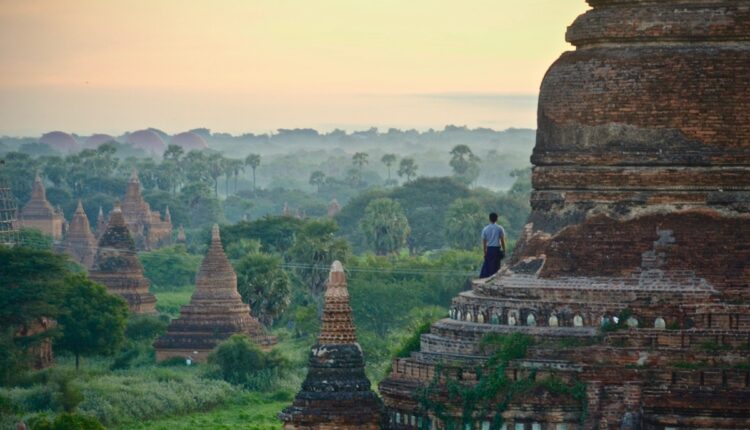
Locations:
(173, 152)
(317, 178)
(407, 168)
(215, 169)
(238, 166)
(388, 160)
(360, 159)
(253, 160)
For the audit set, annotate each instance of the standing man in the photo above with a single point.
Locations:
(493, 243)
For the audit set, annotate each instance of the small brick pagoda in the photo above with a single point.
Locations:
(632, 276)
(336, 393)
(147, 227)
(117, 267)
(215, 312)
(39, 214)
(80, 243)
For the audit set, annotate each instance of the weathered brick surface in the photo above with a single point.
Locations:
(336, 393)
(215, 312)
(117, 267)
(640, 212)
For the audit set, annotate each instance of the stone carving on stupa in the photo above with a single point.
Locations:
(147, 227)
(336, 393)
(215, 312)
(632, 274)
(79, 242)
(117, 267)
(39, 214)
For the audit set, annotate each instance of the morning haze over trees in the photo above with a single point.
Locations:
(400, 209)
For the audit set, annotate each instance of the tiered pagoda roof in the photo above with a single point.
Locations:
(336, 393)
(117, 267)
(80, 243)
(38, 213)
(215, 312)
(147, 227)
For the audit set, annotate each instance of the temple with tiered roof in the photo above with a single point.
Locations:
(80, 243)
(39, 214)
(336, 393)
(146, 226)
(215, 312)
(116, 266)
(630, 283)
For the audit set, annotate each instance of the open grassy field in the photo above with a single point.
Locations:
(250, 411)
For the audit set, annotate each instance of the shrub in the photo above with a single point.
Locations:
(67, 421)
(145, 328)
(239, 361)
(170, 268)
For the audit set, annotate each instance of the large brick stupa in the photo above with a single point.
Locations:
(632, 276)
(215, 312)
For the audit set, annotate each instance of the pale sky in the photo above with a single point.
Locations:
(86, 66)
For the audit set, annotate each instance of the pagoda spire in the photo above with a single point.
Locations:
(338, 325)
(336, 393)
(80, 243)
(38, 192)
(215, 312)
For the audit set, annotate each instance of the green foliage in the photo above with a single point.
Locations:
(306, 320)
(315, 248)
(264, 285)
(276, 234)
(141, 328)
(492, 392)
(169, 302)
(464, 221)
(239, 361)
(425, 202)
(385, 226)
(31, 290)
(68, 421)
(170, 268)
(93, 321)
(412, 343)
(465, 164)
(248, 411)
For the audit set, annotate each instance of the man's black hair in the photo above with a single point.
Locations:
(493, 217)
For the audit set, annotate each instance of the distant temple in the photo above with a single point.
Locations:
(117, 267)
(39, 214)
(147, 227)
(336, 393)
(215, 312)
(80, 243)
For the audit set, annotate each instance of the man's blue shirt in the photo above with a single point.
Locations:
(492, 234)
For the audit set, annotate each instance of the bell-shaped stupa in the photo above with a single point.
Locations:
(336, 393)
(215, 312)
(117, 267)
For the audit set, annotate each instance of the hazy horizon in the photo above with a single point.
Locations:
(88, 67)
